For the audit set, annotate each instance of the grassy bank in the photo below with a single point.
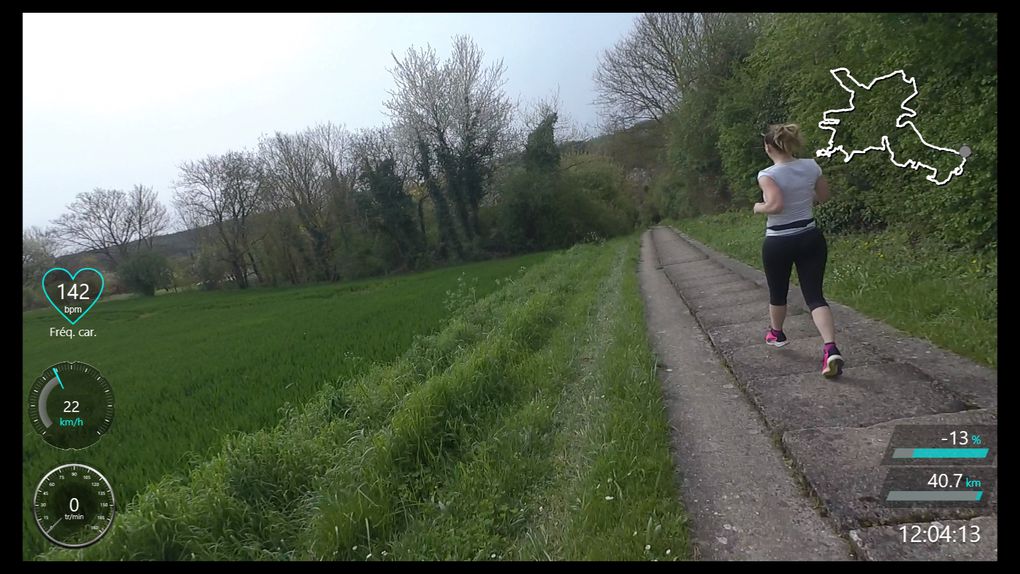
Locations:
(189, 368)
(949, 298)
(530, 427)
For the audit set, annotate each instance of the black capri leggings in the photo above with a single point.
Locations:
(809, 251)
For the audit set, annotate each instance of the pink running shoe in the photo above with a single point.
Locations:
(832, 361)
(775, 338)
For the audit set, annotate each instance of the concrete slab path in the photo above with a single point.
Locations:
(775, 461)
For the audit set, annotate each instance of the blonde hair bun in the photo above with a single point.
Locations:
(785, 137)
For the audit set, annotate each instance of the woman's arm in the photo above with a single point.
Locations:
(822, 190)
(773, 196)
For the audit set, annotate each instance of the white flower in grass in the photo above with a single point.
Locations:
(668, 551)
(493, 555)
(354, 548)
(648, 546)
(609, 498)
(369, 556)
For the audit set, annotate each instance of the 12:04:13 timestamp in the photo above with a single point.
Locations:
(935, 533)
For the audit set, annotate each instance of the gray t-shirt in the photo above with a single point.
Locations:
(796, 180)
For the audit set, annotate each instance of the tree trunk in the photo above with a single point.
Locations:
(240, 273)
(421, 223)
(255, 267)
(447, 231)
(474, 219)
(323, 255)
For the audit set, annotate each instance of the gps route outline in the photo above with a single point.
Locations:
(828, 123)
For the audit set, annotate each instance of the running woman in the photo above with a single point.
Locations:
(790, 188)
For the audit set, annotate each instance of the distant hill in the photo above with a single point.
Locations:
(180, 244)
(637, 147)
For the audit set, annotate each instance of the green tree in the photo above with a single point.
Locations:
(144, 272)
(386, 201)
(460, 117)
(551, 201)
(953, 59)
(540, 152)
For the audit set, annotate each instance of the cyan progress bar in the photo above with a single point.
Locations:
(938, 496)
(940, 453)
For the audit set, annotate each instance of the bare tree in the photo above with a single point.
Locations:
(298, 179)
(98, 221)
(333, 147)
(646, 75)
(224, 192)
(148, 216)
(371, 146)
(642, 77)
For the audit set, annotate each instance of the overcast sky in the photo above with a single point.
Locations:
(113, 100)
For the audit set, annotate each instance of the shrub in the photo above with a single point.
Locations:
(144, 272)
(849, 213)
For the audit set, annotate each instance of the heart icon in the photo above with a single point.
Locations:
(72, 295)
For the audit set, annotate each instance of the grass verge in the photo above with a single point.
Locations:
(947, 297)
